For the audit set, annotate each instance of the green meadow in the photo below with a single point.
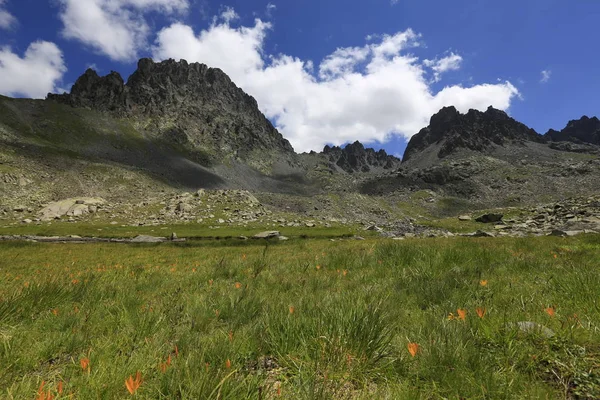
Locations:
(457, 318)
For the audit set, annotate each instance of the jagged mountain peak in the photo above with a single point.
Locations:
(354, 157)
(189, 104)
(450, 131)
(583, 130)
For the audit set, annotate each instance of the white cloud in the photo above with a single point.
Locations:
(7, 20)
(229, 15)
(116, 28)
(451, 62)
(270, 8)
(33, 75)
(546, 74)
(364, 93)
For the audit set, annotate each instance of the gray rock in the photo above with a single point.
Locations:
(533, 327)
(284, 238)
(173, 236)
(147, 239)
(27, 221)
(464, 218)
(267, 235)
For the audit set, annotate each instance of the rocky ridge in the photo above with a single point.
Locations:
(186, 104)
(355, 157)
(582, 131)
(449, 131)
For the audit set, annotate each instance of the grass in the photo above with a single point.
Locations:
(307, 319)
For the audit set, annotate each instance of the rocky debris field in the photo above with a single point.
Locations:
(565, 218)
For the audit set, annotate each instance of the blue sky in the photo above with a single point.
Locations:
(396, 63)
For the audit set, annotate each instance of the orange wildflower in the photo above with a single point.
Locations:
(59, 387)
(40, 394)
(133, 385)
(483, 282)
(210, 282)
(318, 267)
(26, 284)
(292, 309)
(462, 313)
(176, 351)
(243, 256)
(413, 349)
(231, 336)
(228, 364)
(345, 272)
(550, 311)
(75, 281)
(238, 285)
(55, 311)
(480, 312)
(85, 364)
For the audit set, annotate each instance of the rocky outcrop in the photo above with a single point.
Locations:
(479, 131)
(185, 104)
(355, 157)
(581, 131)
(71, 207)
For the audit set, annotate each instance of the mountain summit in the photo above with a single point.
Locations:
(450, 131)
(189, 104)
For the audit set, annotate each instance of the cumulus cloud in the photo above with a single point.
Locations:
(7, 20)
(546, 74)
(33, 75)
(451, 62)
(116, 28)
(364, 93)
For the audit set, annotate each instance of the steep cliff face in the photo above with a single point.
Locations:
(190, 105)
(451, 131)
(580, 131)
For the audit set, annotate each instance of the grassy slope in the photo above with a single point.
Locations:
(126, 307)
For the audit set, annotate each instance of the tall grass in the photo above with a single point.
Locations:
(302, 320)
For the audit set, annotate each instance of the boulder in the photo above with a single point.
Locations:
(70, 207)
(533, 327)
(464, 218)
(147, 239)
(489, 218)
(267, 235)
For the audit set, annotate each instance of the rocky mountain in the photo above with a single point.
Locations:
(449, 131)
(188, 104)
(354, 158)
(580, 131)
(175, 127)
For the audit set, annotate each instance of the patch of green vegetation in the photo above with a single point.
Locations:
(303, 319)
(448, 206)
